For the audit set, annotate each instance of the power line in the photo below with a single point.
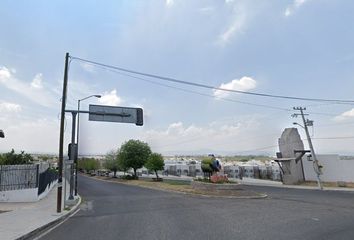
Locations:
(199, 93)
(207, 95)
(208, 86)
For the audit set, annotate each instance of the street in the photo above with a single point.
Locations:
(116, 211)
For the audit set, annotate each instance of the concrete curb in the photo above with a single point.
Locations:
(42, 229)
(334, 189)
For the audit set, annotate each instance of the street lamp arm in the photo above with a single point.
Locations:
(97, 96)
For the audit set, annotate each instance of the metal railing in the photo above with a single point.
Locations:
(18, 177)
(15, 177)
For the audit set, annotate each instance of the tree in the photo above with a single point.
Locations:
(111, 162)
(155, 163)
(88, 164)
(122, 164)
(206, 166)
(134, 154)
(12, 158)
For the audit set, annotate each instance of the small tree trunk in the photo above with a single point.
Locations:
(135, 173)
(157, 176)
(115, 174)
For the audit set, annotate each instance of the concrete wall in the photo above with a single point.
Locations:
(333, 169)
(24, 195)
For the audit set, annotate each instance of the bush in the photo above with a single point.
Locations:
(88, 164)
(219, 179)
(11, 158)
(129, 177)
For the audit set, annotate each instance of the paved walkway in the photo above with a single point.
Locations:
(20, 219)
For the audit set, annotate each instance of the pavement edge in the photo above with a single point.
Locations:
(46, 227)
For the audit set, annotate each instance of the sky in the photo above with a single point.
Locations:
(299, 48)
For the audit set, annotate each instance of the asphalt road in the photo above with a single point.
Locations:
(115, 211)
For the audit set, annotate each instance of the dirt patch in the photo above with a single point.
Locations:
(186, 188)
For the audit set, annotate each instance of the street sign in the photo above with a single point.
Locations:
(116, 114)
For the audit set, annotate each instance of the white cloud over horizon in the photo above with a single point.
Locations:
(37, 81)
(170, 3)
(7, 107)
(33, 91)
(243, 84)
(293, 7)
(110, 98)
(39, 135)
(218, 136)
(236, 24)
(348, 115)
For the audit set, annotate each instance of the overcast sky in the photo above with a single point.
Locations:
(301, 48)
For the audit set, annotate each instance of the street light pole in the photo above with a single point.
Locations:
(77, 136)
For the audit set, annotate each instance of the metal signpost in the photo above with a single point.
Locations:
(116, 114)
(96, 113)
(105, 114)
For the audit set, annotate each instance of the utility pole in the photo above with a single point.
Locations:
(307, 123)
(61, 135)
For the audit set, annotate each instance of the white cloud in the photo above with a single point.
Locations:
(236, 25)
(215, 136)
(243, 84)
(88, 67)
(30, 135)
(110, 98)
(348, 115)
(170, 3)
(5, 74)
(37, 81)
(6, 107)
(293, 7)
(206, 10)
(37, 95)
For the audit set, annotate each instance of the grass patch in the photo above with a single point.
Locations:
(176, 182)
(184, 186)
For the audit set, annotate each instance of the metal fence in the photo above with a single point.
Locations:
(46, 178)
(15, 177)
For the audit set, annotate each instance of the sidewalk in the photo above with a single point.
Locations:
(21, 219)
(267, 183)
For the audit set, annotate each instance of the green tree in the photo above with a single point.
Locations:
(12, 158)
(134, 154)
(122, 163)
(111, 162)
(206, 166)
(88, 164)
(155, 163)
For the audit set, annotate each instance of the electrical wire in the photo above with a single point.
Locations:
(198, 93)
(207, 95)
(211, 87)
